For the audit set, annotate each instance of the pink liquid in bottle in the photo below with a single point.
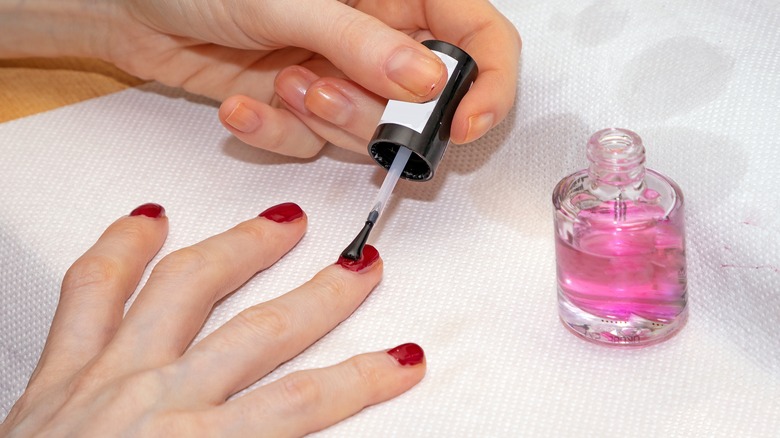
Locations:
(620, 246)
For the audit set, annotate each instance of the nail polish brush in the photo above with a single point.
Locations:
(355, 249)
(411, 138)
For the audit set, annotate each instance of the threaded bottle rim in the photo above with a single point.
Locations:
(617, 157)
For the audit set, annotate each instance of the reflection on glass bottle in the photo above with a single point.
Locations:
(620, 246)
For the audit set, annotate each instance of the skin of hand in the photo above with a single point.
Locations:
(291, 74)
(106, 373)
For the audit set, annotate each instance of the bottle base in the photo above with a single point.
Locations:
(632, 332)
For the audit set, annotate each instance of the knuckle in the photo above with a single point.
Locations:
(91, 270)
(330, 287)
(275, 140)
(177, 423)
(95, 376)
(82, 383)
(128, 230)
(347, 27)
(368, 376)
(266, 320)
(188, 260)
(278, 140)
(147, 385)
(86, 381)
(252, 230)
(302, 390)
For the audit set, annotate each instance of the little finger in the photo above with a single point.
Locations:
(311, 400)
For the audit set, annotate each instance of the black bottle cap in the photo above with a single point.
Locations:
(424, 128)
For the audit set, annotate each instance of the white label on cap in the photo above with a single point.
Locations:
(415, 115)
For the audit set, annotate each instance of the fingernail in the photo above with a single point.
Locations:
(283, 213)
(152, 210)
(479, 125)
(292, 86)
(370, 255)
(407, 354)
(330, 104)
(415, 71)
(243, 119)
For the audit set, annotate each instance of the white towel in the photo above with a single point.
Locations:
(469, 256)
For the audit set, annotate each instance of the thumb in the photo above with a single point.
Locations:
(381, 59)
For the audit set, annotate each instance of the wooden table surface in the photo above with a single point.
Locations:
(33, 85)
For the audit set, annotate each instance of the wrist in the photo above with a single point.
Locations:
(47, 28)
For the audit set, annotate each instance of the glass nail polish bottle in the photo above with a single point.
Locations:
(620, 246)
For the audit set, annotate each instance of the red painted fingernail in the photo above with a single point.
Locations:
(152, 210)
(282, 213)
(370, 255)
(407, 354)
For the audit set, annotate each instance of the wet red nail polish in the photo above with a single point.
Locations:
(370, 255)
(282, 213)
(151, 210)
(407, 354)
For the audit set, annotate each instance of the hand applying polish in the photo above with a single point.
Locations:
(339, 99)
(411, 139)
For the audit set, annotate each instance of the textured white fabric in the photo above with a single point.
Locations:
(469, 256)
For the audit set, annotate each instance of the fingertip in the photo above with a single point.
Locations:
(409, 354)
(283, 213)
(330, 103)
(147, 222)
(377, 56)
(274, 129)
(238, 116)
(418, 71)
(291, 85)
(343, 112)
(150, 210)
(486, 104)
(407, 364)
(369, 259)
(475, 127)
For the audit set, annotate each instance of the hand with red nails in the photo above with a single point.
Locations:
(103, 373)
(291, 74)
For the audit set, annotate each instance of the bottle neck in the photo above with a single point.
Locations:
(617, 162)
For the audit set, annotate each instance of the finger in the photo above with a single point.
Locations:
(214, 70)
(185, 285)
(334, 108)
(260, 338)
(378, 57)
(331, 133)
(483, 32)
(273, 129)
(292, 85)
(345, 105)
(307, 401)
(307, 132)
(494, 43)
(96, 287)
